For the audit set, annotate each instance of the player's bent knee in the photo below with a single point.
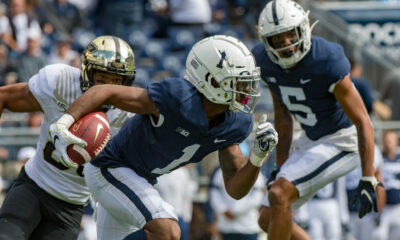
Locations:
(263, 219)
(282, 193)
(277, 196)
(165, 229)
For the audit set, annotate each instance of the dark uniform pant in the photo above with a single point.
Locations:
(28, 212)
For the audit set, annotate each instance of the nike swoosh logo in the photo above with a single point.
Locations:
(365, 192)
(55, 138)
(219, 140)
(304, 81)
(99, 128)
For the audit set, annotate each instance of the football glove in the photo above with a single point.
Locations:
(365, 193)
(272, 176)
(265, 141)
(62, 138)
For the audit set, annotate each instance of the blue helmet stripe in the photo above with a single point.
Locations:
(274, 15)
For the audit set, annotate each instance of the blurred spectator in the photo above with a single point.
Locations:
(372, 104)
(120, 15)
(3, 155)
(12, 168)
(178, 189)
(220, 11)
(88, 224)
(6, 65)
(252, 11)
(390, 94)
(62, 53)
(327, 210)
(10, 78)
(236, 219)
(58, 16)
(32, 60)
(16, 25)
(189, 12)
(389, 227)
(24, 154)
(34, 119)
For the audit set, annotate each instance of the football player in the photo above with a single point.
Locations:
(179, 121)
(308, 78)
(48, 197)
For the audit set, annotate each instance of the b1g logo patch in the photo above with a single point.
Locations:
(182, 131)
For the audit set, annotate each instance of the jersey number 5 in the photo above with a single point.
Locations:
(298, 94)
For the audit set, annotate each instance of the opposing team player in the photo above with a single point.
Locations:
(179, 121)
(308, 78)
(48, 197)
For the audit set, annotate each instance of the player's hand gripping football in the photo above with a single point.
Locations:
(266, 140)
(365, 193)
(62, 138)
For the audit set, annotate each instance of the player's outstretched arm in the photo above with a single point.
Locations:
(352, 104)
(283, 123)
(131, 99)
(18, 98)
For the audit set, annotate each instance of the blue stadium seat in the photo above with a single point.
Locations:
(183, 38)
(156, 49)
(143, 77)
(219, 29)
(233, 31)
(138, 38)
(82, 38)
(174, 62)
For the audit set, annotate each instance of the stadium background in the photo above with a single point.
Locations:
(369, 31)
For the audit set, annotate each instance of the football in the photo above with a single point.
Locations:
(94, 128)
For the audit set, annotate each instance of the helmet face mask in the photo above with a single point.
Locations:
(283, 17)
(225, 72)
(107, 54)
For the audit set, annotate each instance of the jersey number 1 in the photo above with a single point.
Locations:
(188, 153)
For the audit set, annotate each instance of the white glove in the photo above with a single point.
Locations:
(62, 138)
(266, 140)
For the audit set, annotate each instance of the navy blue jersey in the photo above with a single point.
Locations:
(306, 89)
(391, 177)
(183, 137)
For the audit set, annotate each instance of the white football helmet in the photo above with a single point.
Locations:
(223, 69)
(280, 16)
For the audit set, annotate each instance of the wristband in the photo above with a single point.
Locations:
(66, 119)
(370, 179)
(256, 161)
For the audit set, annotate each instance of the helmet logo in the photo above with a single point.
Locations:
(194, 64)
(91, 47)
(223, 57)
(274, 14)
